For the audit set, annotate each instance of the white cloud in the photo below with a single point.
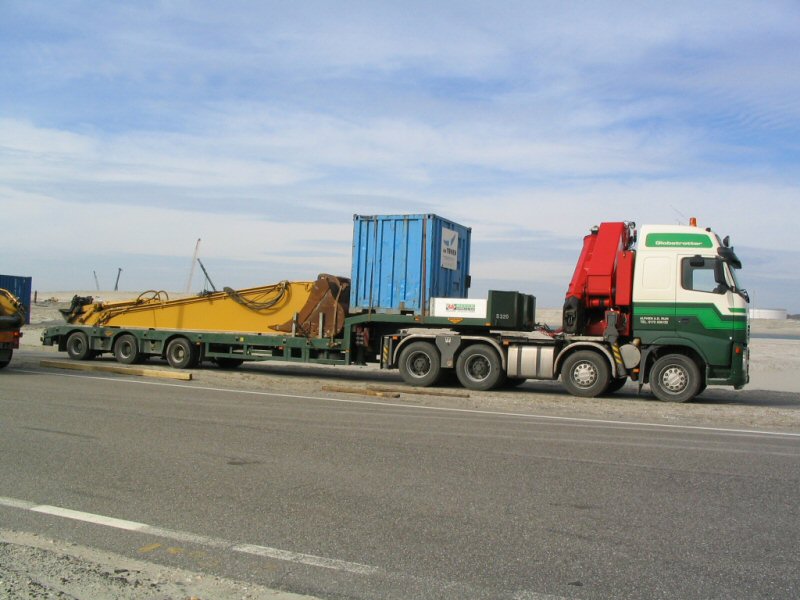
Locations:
(756, 214)
(531, 120)
(82, 230)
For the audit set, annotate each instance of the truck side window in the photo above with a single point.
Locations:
(698, 275)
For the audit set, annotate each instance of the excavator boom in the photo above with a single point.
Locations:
(12, 317)
(310, 308)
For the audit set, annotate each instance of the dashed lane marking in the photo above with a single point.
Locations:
(187, 537)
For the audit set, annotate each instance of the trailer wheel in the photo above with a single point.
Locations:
(182, 354)
(224, 362)
(4, 362)
(420, 364)
(675, 378)
(126, 350)
(479, 368)
(585, 373)
(78, 346)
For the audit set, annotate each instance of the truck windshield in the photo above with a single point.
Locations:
(737, 286)
(732, 274)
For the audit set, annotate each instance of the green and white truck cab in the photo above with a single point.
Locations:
(687, 300)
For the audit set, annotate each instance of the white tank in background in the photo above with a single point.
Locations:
(768, 313)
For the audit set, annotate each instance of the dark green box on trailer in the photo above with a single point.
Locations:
(511, 310)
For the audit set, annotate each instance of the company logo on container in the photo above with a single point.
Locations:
(449, 248)
(449, 243)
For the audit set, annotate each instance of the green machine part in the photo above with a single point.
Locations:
(511, 310)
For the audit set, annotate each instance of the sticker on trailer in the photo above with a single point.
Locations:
(462, 308)
(449, 249)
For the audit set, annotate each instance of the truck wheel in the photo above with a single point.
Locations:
(182, 354)
(585, 373)
(78, 346)
(479, 368)
(420, 364)
(5, 360)
(228, 363)
(126, 350)
(675, 378)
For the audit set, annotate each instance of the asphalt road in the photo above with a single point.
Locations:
(366, 498)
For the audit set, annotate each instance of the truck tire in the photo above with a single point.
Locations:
(182, 354)
(223, 362)
(479, 368)
(585, 373)
(675, 378)
(6, 359)
(420, 364)
(78, 346)
(126, 350)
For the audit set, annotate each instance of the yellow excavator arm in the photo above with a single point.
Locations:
(12, 317)
(12, 312)
(311, 308)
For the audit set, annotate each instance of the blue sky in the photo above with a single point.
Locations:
(130, 129)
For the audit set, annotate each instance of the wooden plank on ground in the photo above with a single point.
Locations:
(358, 390)
(90, 366)
(419, 391)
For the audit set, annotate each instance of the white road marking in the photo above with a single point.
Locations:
(306, 559)
(77, 515)
(187, 537)
(610, 422)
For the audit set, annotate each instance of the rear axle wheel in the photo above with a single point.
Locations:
(126, 350)
(479, 368)
(77, 346)
(182, 354)
(420, 364)
(585, 373)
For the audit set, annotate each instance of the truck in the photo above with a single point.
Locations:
(12, 317)
(659, 305)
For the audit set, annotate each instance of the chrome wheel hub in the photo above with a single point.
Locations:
(584, 374)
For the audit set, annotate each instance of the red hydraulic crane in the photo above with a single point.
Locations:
(600, 295)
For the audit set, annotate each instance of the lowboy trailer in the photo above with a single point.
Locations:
(668, 312)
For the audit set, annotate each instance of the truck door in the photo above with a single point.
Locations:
(654, 298)
(703, 307)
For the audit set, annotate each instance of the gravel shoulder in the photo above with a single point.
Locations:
(32, 566)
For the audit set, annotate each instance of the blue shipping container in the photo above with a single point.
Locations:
(21, 288)
(400, 262)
